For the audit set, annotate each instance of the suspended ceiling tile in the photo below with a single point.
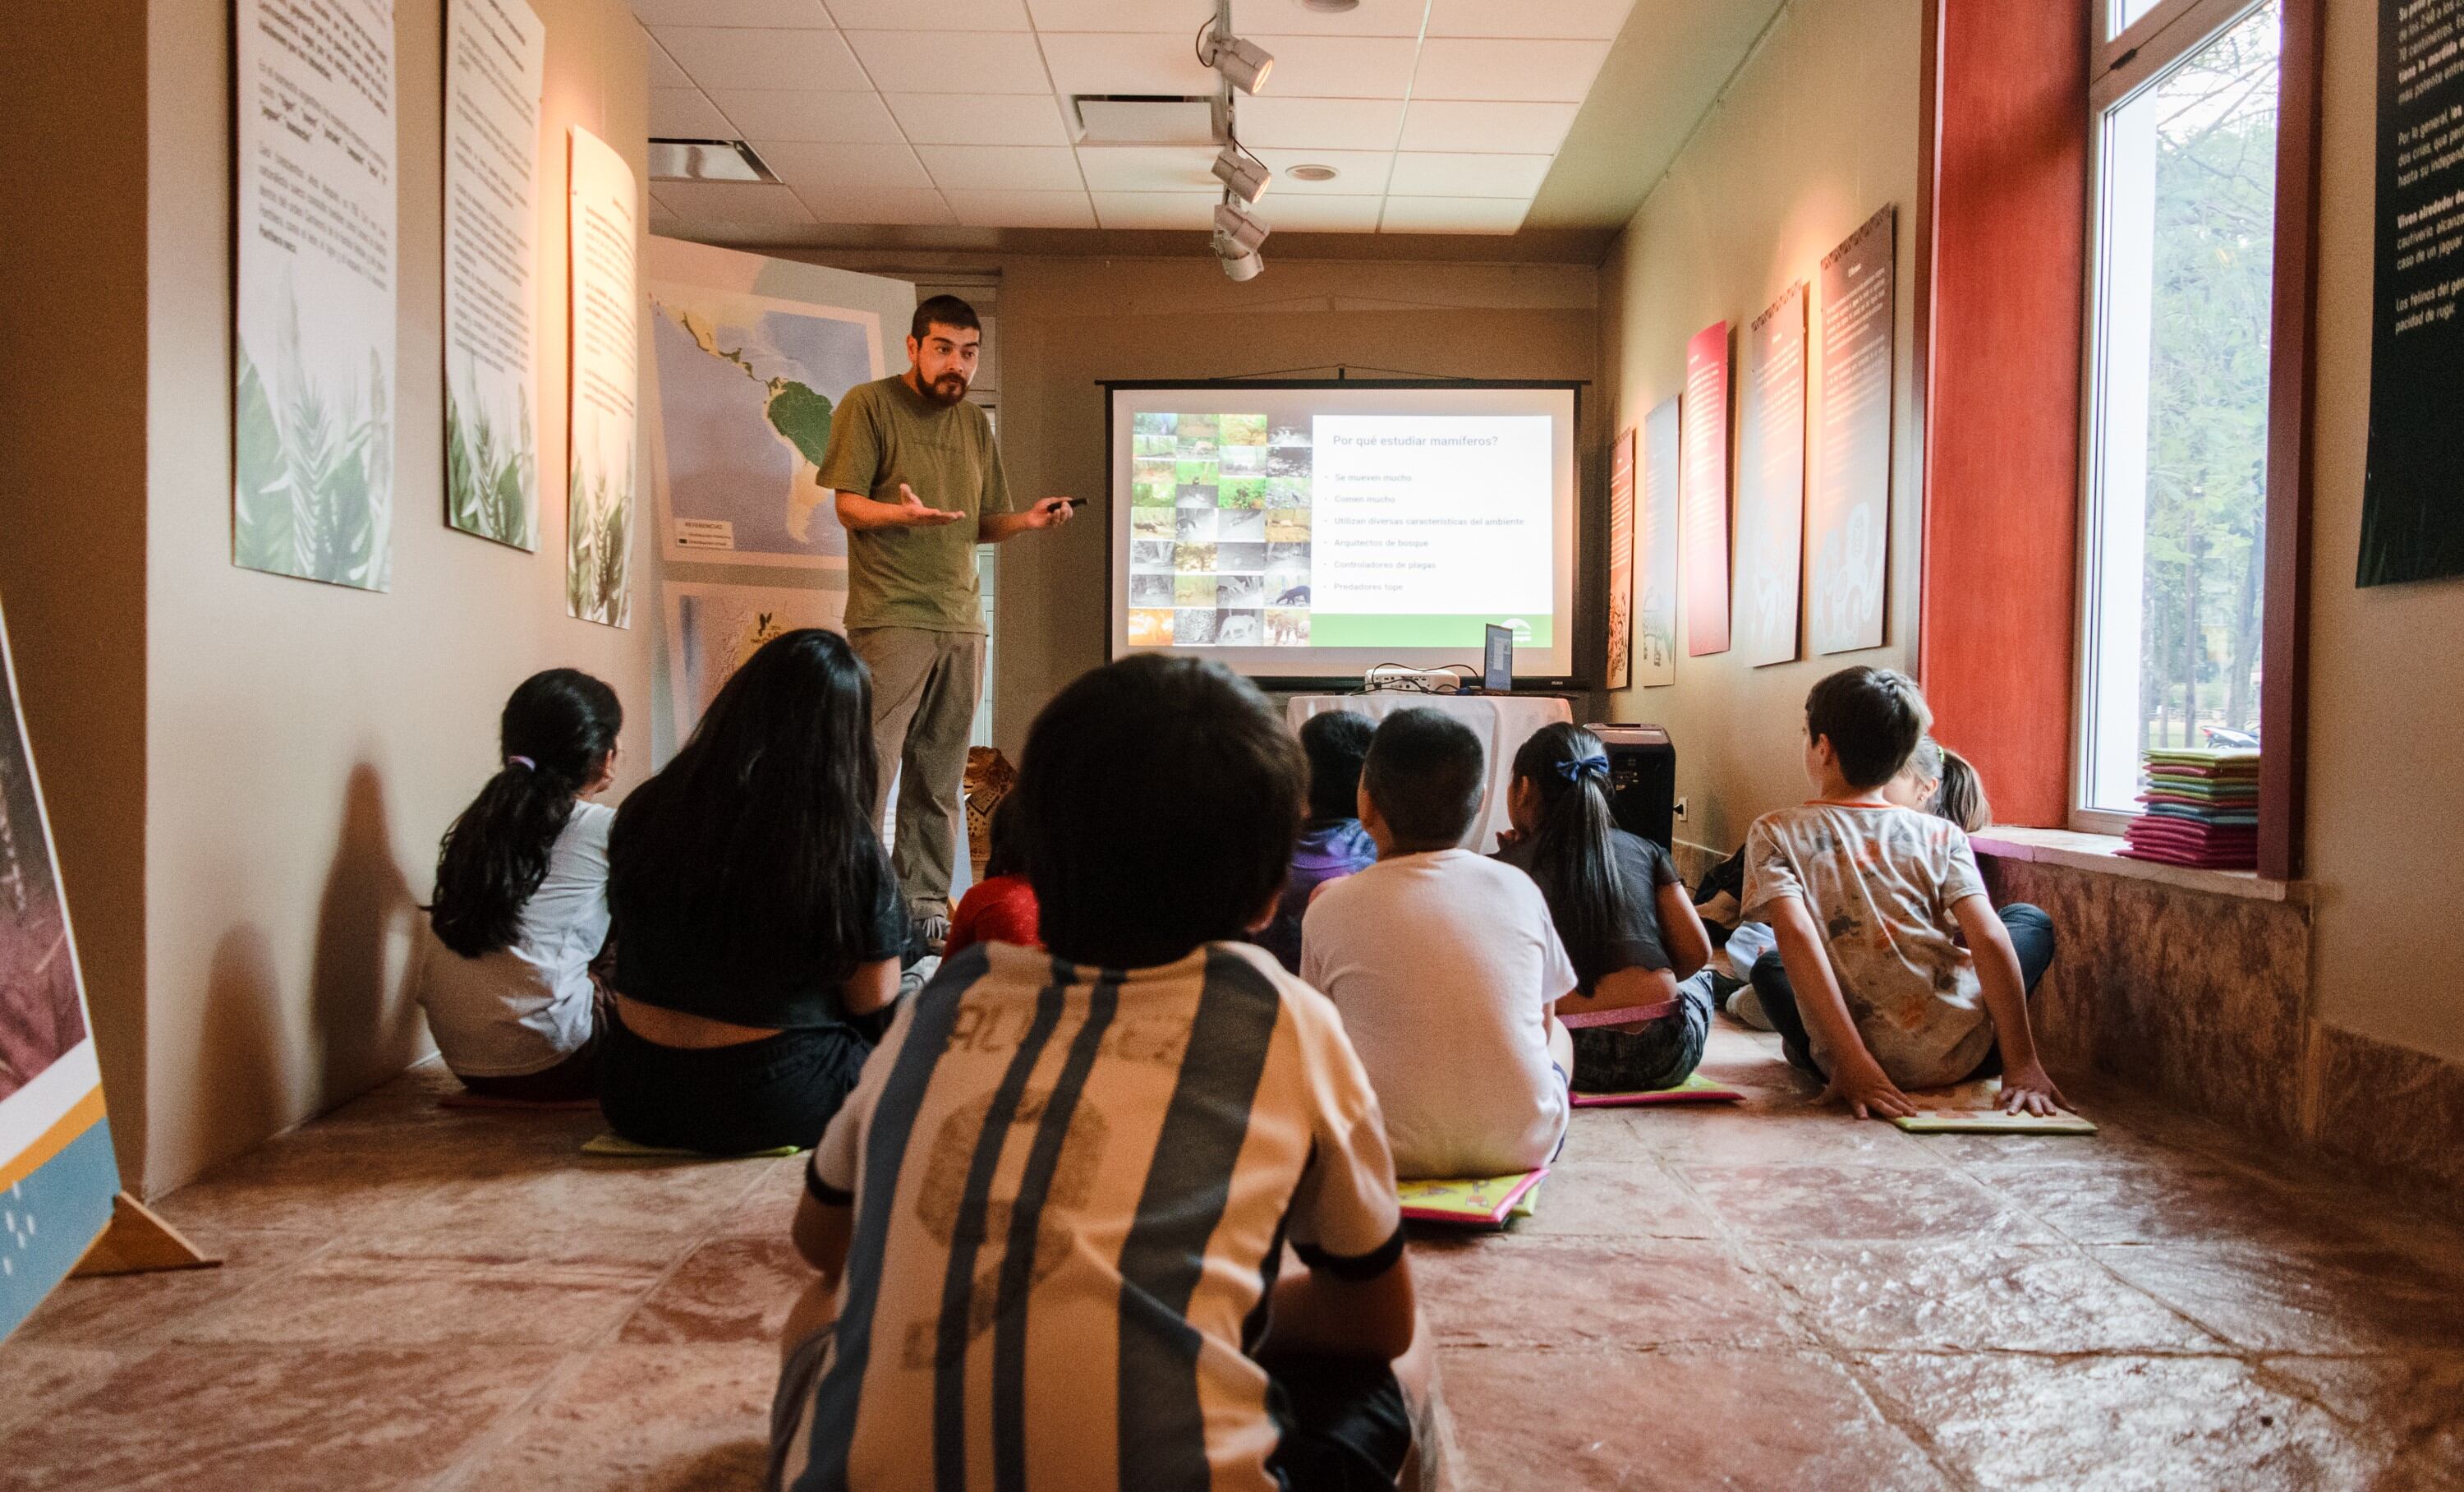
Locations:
(1149, 167)
(687, 114)
(1023, 209)
(1457, 175)
(1003, 168)
(808, 14)
(1319, 215)
(1370, 18)
(1115, 62)
(1154, 210)
(1329, 124)
(1589, 20)
(1453, 214)
(871, 167)
(1357, 172)
(835, 119)
(980, 119)
(935, 62)
(1460, 124)
(943, 15)
(897, 206)
(718, 58)
(1162, 16)
(704, 203)
(664, 72)
(1339, 67)
(1546, 72)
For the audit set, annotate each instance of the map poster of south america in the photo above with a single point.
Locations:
(313, 370)
(495, 68)
(604, 215)
(56, 1171)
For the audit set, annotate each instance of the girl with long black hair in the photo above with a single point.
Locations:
(1620, 908)
(521, 899)
(759, 926)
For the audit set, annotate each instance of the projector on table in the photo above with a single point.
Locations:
(1394, 676)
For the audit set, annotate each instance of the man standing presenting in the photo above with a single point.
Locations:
(918, 485)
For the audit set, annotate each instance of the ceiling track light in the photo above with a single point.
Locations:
(1243, 174)
(1239, 264)
(1237, 227)
(1244, 64)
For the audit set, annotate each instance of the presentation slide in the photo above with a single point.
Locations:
(1314, 532)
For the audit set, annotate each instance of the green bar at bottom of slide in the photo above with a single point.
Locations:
(1338, 629)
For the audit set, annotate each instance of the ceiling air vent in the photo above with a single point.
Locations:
(1126, 119)
(706, 160)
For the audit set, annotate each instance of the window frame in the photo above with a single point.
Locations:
(2121, 66)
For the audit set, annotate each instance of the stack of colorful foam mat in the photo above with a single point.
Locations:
(2202, 811)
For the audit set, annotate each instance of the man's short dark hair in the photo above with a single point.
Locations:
(1425, 771)
(1873, 717)
(1160, 799)
(1335, 744)
(943, 311)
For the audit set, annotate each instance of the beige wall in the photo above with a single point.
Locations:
(2386, 665)
(1819, 130)
(306, 744)
(72, 480)
(1065, 323)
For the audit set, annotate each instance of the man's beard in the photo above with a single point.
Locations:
(945, 390)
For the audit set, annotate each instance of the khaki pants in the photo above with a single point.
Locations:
(924, 688)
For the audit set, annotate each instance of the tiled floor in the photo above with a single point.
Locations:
(1765, 1297)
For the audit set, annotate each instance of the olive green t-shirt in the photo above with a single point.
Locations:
(884, 434)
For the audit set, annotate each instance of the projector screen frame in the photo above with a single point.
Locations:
(1585, 592)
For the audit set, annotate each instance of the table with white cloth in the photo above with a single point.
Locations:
(1503, 722)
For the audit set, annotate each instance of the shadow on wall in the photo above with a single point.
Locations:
(363, 1018)
(243, 1001)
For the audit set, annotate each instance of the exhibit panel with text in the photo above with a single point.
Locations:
(1307, 531)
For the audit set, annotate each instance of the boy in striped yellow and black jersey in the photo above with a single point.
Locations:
(1048, 1219)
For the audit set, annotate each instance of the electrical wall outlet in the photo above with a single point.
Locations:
(1678, 808)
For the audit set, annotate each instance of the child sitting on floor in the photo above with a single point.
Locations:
(1332, 843)
(1049, 1220)
(521, 901)
(1446, 966)
(1871, 987)
(1620, 909)
(1939, 781)
(1001, 908)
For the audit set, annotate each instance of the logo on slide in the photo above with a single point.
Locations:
(1522, 631)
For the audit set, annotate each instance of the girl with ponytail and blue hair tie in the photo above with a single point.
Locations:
(521, 900)
(1620, 908)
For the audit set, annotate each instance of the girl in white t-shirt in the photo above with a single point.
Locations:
(521, 900)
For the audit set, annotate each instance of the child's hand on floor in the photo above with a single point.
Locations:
(1860, 1082)
(2027, 1090)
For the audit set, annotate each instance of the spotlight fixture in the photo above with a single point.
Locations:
(1244, 64)
(1239, 263)
(1243, 174)
(1235, 226)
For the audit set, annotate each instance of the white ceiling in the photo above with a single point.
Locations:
(1438, 115)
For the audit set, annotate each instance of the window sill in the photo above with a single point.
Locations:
(2100, 854)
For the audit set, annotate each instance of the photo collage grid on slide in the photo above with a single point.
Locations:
(1219, 532)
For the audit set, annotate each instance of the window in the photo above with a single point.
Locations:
(2175, 543)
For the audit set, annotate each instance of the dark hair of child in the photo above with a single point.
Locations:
(1874, 718)
(554, 736)
(756, 842)
(1573, 854)
(1006, 855)
(1424, 772)
(1335, 744)
(1961, 795)
(1160, 799)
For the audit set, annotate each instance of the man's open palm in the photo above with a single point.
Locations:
(916, 515)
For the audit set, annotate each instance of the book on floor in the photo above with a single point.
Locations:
(1993, 1120)
(1474, 1202)
(1695, 1089)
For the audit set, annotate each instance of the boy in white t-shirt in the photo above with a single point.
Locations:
(1445, 966)
(1871, 903)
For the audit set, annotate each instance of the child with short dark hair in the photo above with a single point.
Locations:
(1871, 988)
(1332, 843)
(1445, 966)
(1001, 908)
(1049, 1220)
